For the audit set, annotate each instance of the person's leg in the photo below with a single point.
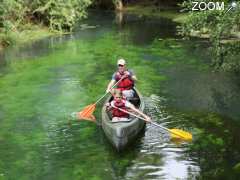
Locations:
(118, 119)
(115, 119)
(124, 119)
(128, 94)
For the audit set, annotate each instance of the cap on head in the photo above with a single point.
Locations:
(121, 62)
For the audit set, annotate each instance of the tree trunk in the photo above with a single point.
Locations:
(119, 18)
(119, 5)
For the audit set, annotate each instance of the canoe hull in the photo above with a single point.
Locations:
(121, 134)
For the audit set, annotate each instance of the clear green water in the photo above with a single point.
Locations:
(42, 84)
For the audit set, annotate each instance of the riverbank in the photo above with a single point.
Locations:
(153, 11)
(33, 33)
(30, 34)
(175, 14)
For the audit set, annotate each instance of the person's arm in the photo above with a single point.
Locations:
(110, 85)
(132, 75)
(131, 106)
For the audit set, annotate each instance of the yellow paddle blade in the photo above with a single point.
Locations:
(180, 134)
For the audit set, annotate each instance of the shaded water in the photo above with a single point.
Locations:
(41, 84)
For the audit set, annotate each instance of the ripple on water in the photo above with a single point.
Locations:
(160, 158)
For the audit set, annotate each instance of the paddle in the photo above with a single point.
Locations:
(86, 113)
(175, 133)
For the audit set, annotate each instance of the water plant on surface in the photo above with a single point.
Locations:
(216, 146)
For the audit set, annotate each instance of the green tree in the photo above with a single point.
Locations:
(60, 14)
(19, 15)
(57, 14)
(219, 26)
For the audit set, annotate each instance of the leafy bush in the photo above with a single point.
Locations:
(60, 14)
(219, 26)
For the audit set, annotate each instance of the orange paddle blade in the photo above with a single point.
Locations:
(87, 113)
(89, 118)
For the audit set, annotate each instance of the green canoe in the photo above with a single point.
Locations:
(121, 134)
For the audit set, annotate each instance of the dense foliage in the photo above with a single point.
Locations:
(220, 26)
(60, 15)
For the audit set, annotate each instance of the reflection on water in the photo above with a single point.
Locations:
(160, 158)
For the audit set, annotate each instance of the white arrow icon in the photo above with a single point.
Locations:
(233, 5)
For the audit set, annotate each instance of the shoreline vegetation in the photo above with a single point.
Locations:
(221, 28)
(153, 11)
(21, 22)
(36, 32)
(32, 32)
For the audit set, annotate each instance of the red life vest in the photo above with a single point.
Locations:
(126, 83)
(118, 113)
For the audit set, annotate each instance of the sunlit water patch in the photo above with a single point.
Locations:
(159, 157)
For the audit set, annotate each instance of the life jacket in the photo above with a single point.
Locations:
(125, 84)
(118, 113)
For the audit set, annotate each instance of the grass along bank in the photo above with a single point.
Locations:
(30, 34)
(22, 21)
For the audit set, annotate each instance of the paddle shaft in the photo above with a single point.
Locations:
(109, 91)
(158, 125)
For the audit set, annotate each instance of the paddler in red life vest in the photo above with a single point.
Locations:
(127, 83)
(119, 102)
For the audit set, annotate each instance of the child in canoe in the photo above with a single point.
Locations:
(118, 104)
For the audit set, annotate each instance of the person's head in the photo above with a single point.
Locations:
(118, 95)
(121, 65)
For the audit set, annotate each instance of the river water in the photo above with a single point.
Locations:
(43, 83)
